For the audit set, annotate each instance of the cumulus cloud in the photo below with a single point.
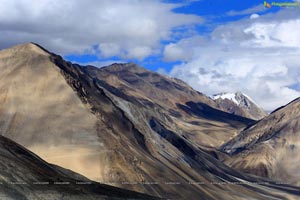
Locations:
(274, 34)
(183, 49)
(124, 28)
(257, 56)
(254, 16)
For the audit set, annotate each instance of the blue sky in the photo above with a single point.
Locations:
(213, 45)
(214, 12)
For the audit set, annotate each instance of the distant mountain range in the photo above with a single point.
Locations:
(131, 128)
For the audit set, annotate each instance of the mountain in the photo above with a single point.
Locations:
(270, 148)
(26, 176)
(239, 104)
(124, 126)
(197, 116)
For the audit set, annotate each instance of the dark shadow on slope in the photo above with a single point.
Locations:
(119, 92)
(205, 111)
(91, 90)
(211, 168)
(30, 168)
(171, 137)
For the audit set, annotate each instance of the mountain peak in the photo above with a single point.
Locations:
(238, 97)
(240, 104)
(27, 47)
(131, 67)
(226, 95)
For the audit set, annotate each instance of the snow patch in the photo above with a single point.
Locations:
(250, 99)
(230, 96)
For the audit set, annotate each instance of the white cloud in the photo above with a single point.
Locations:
(259, 57)
(139, 52)
(182, 50)
(254, 16)
(126, 28)
(172, 52)
(275, 34)
(109, 49)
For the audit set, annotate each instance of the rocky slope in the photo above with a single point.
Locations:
(23, 175)
(123, 125)
(239, 104)
(270, 148)
(197, 116)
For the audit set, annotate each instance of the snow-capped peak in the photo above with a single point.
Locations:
(245, 106)
(229, 96)
(249, 98)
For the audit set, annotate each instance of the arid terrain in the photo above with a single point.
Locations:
(25, 176)
(132, 128)
(270, 148)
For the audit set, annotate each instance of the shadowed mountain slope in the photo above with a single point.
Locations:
(197, 116)
(23, 175)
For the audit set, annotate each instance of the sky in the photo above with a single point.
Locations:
(213, 45)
